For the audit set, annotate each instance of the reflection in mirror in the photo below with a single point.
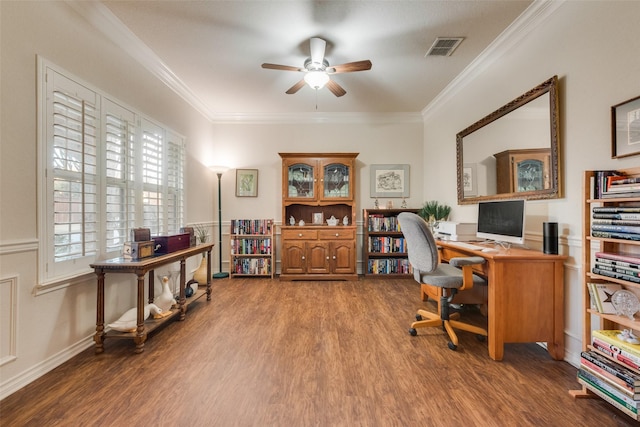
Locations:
(515, 156)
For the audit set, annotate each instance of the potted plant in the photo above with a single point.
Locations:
(434, 212)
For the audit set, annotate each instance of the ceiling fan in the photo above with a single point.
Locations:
(317, 69)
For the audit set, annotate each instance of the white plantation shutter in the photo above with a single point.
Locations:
(120, 133)
(73, 185)
(106, 171)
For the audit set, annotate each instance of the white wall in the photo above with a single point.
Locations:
(593, 48)
(39, 330)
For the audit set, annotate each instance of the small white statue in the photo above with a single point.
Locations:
(166, 299)
(301, 223)
(292, 220)
(128, 322)
(345, 220)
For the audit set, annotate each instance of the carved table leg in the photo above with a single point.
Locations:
(209, 274)
(182, 303)
(141, 333)
(99, 335)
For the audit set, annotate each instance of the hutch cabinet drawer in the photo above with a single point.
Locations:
(337, 234)
(299, 234)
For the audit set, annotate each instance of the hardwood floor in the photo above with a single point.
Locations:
(270, 353)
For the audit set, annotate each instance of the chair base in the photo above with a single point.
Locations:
(432, 320)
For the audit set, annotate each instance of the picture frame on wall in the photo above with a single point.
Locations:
(246, 182)
(470, 179)
(625, 128)
(389, 181)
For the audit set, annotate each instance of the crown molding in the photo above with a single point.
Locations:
(316, 118)
(534, 15)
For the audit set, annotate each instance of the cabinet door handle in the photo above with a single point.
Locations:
(334, 257)
(327, 257)
(299, 234)
(303, 257)
(337, 234)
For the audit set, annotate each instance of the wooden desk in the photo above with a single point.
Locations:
(141, 268)
(525, 296)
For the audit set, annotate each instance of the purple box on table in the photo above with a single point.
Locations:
(168, 244)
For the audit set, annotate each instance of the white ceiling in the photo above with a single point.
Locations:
(212, 50)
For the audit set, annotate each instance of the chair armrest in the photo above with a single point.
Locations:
(462, 261)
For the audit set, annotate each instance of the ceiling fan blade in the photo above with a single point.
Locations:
(335, 88)
(296, 87)
(350, 67)
(317, 47)
(281, 67)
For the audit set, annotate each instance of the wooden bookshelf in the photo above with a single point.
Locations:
(252, 248)
(384, 253)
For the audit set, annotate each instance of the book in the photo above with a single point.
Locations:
(614, 393)
(616, 209)
(619, 264)
(628, 376)
(627, 180)
(593, 296)
(618, 269)
(603, 294)
(612, 336)
(615, 227)
(612, 381)
(617, 215)
(615, 275)
(615, 235)
(614, 354)
(616, 221)
(607, 396)
(623, 188)
(630, 258)
(621, 194)
(600, 181)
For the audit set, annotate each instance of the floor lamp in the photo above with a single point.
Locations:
(219, 170)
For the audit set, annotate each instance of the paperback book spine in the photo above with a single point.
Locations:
(608, 398)
(630, 258)
(615, 275)
(621, 401)
(616, 384)
(615, 354)
(615, 235)
(624, 375)
(611, 336)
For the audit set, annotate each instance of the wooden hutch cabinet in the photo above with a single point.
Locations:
(316, 187)
(523, 170)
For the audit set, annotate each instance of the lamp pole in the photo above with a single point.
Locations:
(220, 274)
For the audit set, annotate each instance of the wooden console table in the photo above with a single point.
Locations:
(140, 268)
(525, 296)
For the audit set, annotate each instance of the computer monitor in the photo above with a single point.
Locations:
(502, 221)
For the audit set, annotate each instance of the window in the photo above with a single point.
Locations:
(105, 170)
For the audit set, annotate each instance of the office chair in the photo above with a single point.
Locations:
(450, 278)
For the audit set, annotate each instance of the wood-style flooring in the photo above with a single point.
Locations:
(271, 353)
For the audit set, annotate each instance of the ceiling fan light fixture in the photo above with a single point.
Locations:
(316, 79)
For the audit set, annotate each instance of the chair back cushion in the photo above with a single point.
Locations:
(421, 246)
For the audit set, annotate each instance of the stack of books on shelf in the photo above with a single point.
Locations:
(253, 266)
(389, 266)
(617, 222)
(251, 226)
(603, 373)
(618, 265)
(251, 246)
(378, 222)
(385, 244)
(614, 184)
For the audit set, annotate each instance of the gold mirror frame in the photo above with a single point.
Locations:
(554, 191)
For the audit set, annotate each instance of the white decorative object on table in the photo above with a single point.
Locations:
(345, 220)
(332, 221)
(292, 220)
(128, 322)
(301, 223)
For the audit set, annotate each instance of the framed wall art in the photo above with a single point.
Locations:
(389, 180)
(625, 128)
(470, 179)
(246, 182)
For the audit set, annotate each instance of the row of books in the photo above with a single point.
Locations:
(611, 370)
(619, 222)
(251, 246)
(378, 222)
(251, 226)
(385, 244)
(389, 266)
(615, 184)
(253, 266)
(623, 266)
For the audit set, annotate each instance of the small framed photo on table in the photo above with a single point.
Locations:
(246, 182)
(318, 218)
(625, 128)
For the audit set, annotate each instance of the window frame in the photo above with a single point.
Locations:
(125, 206)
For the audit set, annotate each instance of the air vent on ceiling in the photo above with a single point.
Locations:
(444, 46)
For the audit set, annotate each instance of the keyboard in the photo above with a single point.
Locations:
(468, 246)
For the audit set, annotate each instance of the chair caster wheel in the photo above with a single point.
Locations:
(418, 317)
(452, 346)
(413, 332)
(481, 338)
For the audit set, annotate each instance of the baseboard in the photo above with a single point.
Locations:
(24, 378)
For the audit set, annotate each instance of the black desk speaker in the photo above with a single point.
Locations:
(550, 237)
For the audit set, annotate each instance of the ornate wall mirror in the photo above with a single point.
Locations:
(513, 152)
